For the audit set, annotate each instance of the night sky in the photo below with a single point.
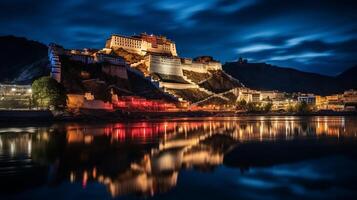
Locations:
(316, 36)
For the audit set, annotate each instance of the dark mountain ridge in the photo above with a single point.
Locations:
(21, 60)
(263, 76)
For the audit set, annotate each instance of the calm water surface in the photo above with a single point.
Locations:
(209, 158)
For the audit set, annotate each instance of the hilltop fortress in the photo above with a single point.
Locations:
(199, 81)
(160, 54)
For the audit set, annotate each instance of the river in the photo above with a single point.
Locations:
(199, 158)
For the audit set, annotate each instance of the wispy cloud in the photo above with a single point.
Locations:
(276, 31)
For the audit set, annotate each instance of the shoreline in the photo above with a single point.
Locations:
(39, 116)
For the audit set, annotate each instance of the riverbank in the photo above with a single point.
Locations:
(26, 116)
(102, 115)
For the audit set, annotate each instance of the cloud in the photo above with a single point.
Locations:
(298, 34)
(256, 48)
(301, 57)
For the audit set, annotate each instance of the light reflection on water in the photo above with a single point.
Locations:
(259, 157)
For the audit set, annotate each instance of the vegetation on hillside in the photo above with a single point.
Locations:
(254, 106)
(192, 94)
(196, 77)
(220, 82)
(217, 101)
(128, 56)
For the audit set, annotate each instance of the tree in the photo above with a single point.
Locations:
(242, 105)
(303, 107)
(48, 92)
(268, 106)
(291, 109)
(253, 107)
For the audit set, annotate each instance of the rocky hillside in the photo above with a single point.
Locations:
(263, 76)
(22, 60)
(80, 78)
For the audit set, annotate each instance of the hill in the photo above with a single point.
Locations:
(268, 77)
(22, 60)
(348, 78)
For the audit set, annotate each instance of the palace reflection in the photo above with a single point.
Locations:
(144, 158)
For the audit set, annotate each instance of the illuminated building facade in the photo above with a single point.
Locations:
(307, 98)
(200, 67)
(141, 104)
(54, 51)
(271, 95)
(350, 96)
(164, 65)
(142, 44)
(15, 96)
(248, 95)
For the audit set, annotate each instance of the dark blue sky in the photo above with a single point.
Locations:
(316, 36)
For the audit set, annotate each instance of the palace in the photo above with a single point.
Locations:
(143, 43)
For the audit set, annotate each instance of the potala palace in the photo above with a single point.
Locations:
(196, 81)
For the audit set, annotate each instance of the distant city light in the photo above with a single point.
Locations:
(13, 89)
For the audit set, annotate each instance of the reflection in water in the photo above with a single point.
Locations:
(143, 158)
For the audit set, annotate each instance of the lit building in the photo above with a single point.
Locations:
(142, 44)
(164, 65)
(200, 67)
(248, 95)
(139, 103)
(15, 96)
(307, 98)
(331, 102)
(283, 104)
(350, 96)
(271, 95)
(15, 90)
(54, 51)
(108, 58)
(86, 101)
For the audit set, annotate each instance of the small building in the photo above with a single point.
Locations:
(248, 95)
(271, 94)
(141, 104)
(108, 58)
(15, 96)
(350, 96)
(54, 51)
(307, 98)
(87, 101)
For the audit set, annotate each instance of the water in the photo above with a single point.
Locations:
(210, 158)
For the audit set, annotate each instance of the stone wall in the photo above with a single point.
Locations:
(77, 101)
(116, 71)
(165, 65)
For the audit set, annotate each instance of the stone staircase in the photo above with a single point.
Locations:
(198, 87)
(142, 61)
(205, 79)
(212, 94)
(215, 95)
